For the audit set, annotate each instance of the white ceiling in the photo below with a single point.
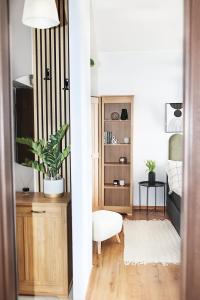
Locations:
(131, 25)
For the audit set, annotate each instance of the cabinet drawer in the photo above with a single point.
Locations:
(40, 209)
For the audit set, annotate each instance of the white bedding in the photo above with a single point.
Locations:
(174, 172)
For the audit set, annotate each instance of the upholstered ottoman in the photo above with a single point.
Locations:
(105, 225)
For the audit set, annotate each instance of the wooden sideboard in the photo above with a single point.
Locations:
(42, 244)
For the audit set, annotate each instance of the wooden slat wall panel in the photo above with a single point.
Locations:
(52, 107)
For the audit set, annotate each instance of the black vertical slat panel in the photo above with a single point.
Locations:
(41, 63)
(42, 87)
(36, 79)
(55, 77)
(37, 92)
(50, 96)
(59, 47)
(45, 49)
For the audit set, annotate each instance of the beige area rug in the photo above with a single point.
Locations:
(147, 242)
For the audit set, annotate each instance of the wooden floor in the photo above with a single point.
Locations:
(112, 280)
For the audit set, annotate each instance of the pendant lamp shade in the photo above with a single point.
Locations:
(41, 14)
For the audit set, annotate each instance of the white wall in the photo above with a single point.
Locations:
(154, 78)
(21, 64)
(79, 41)
(21, 41)
(140, 53)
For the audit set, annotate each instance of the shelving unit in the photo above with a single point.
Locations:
(117, 198)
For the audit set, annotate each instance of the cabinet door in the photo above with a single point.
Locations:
(44, 267)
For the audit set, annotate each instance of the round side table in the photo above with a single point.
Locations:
(156, 185)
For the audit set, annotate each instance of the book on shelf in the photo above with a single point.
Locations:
(107, 137)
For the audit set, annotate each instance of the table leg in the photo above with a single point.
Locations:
(155, 198)
(140, 196)
(164, 198)
(147, 200)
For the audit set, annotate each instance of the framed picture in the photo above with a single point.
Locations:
(173, 117)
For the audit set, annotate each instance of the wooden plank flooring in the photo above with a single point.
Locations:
(112, 280)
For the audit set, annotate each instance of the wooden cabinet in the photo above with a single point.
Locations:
(117, 197)
(42, 245)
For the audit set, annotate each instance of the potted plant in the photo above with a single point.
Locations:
(48, 160)
(92, 63)
(151, 166)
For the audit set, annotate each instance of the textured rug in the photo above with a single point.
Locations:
(147, 242)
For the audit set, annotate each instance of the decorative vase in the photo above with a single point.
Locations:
(53, 188)
(151, 178)
(115, 116)
(124, 114)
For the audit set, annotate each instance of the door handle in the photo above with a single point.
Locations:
(38, 212)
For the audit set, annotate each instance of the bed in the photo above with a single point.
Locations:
(174, 180)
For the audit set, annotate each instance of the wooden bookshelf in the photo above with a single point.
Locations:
(117, 198)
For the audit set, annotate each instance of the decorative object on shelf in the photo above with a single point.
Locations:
(123, 160)
(122, 182)
(124, 114)
(50, 160)
(115, 116)
(116, 182)
(151, 166)
(114, 140)
(126, 140)
(41, 14)
(108, 137)
(173, 117)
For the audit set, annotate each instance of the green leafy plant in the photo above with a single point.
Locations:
(92, 63)
(49, 156)
(151, 165)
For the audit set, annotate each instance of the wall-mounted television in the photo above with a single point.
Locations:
(23, 115)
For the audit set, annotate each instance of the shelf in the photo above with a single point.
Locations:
(112, 186)
(117, 144)
(116, 196)
(115, 164)
(117, 121)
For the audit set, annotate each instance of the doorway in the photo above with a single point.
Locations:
(8, 286)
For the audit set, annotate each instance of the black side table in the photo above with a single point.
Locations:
(156, 185)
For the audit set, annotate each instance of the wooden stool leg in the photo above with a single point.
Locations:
(118, 238)
(99, 247)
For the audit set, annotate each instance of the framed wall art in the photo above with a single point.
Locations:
(173, 117)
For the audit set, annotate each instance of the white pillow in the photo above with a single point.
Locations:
(175, 173)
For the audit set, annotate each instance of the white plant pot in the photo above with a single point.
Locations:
(53, 188)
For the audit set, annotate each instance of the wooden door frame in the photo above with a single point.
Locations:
(190, 287)
(8, 286)
(190, 274)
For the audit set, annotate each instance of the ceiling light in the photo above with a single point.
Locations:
(41, 14)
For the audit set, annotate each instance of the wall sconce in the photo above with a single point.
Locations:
(66, 84)
(47, 74)
(41, 14)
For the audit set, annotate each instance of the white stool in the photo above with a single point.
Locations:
(105, 225)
